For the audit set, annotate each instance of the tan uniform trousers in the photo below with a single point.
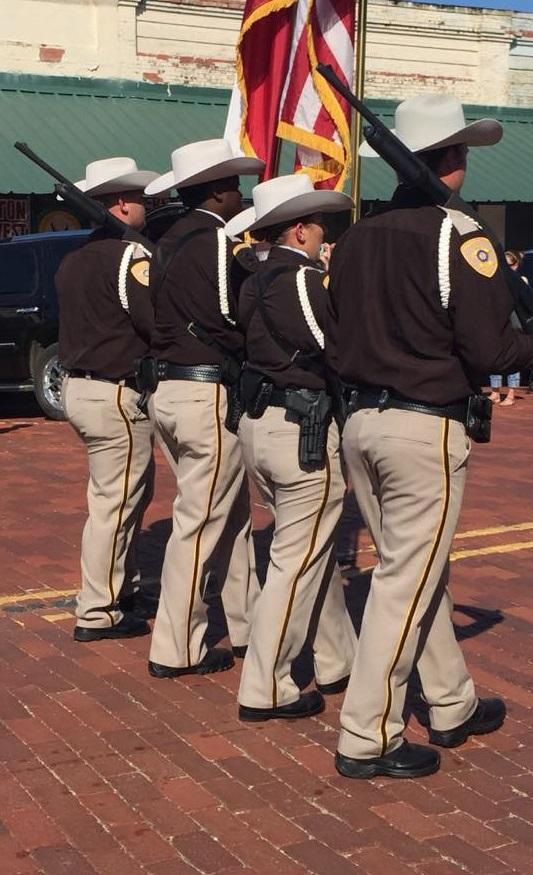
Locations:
(211, 527)
(119, 441)
(408, 470)
(306, 508)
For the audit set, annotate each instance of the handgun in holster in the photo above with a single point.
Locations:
(478, 418)
(256, 392)
(313, 411)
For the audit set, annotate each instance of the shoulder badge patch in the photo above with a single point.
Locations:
(140, 270)
(479, 253)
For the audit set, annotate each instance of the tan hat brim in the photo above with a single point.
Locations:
(232, 167)
(484, 132)
(304, 205)
(128, 182)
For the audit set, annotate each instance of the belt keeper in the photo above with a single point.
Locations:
(383, 400)
(352, 400)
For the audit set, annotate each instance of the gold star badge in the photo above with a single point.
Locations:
(140, 271)
(479, 253)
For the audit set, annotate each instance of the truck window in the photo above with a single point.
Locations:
(19, 273)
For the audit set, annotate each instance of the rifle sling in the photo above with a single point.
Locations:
(263, 281)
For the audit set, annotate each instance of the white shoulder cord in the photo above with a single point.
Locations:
(444, 261)
(131, 251)
(223, 275)
(307, 310)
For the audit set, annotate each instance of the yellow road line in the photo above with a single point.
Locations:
(38, 595)
(495, 548)
(47, 594)
(460, 554)
(474, 533)
(495, 530)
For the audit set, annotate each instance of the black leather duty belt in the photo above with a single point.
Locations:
(198, 373)
(383, 400)
(129, 382)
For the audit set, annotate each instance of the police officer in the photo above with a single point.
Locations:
(199, 350)
(105, 323)
(421, 313)
(291, 449)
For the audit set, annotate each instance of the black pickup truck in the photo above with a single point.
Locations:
(29, 316)
(28, 307)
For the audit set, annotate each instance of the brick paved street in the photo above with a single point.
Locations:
(105, 771)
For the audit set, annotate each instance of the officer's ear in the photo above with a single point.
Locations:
(299, 230)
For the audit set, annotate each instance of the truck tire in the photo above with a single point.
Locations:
(47, 381)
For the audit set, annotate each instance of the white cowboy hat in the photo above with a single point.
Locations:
(204, 161)
(240, 223)
(114, 175)
(431, 121)
(290, 197)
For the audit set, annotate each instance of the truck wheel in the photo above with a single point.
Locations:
(47, 382)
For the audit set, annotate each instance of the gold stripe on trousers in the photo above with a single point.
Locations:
(205, 520)
(122, 504)
(299, 573)
(420, 588)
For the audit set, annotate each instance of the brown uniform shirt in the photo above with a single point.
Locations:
(387, 318)
(98, 331)
(285, 311)
(199, 285)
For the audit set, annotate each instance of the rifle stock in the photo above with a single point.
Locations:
(91, 209)
(412, 170)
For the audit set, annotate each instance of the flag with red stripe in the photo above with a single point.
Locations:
(312, 114)
(263, 52)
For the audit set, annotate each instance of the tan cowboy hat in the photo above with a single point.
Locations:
(203, 162)
(114, 175)
(431, 121)
(284, 198)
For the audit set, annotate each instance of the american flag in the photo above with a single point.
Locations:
(312, 114)
(279, 94)
(263, 52)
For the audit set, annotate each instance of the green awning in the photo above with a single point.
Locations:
(70, 122)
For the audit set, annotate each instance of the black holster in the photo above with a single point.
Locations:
(146, 373)
(231, 377)
(256, 392)
(313, 411)
(478, 418)
(235, 407)
(147, 378)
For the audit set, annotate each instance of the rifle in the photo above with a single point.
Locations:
(413, 171)
(83, 204)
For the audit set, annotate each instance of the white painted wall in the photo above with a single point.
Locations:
(484, 56)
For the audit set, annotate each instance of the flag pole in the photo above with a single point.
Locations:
(357, 120)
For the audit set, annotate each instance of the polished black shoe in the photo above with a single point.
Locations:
(407, 761)
(240, 652)
(488, 716)
(307, 705)
(216, 659)
(129, 627)
(335, 687)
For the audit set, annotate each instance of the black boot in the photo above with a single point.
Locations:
(307, 705)
(216, 659)
(488, 716)
(335, 687)
(129, 627)
(407, 761)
